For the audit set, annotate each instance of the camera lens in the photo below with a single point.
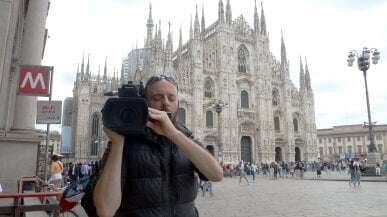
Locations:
(128, 115)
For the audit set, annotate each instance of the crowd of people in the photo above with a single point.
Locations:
(74, 171)
(63, 174)
(273, 170)
(353, 168)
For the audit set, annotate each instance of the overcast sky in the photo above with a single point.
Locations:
(323, 31)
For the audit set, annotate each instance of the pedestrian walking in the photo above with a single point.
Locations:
(71, 173)
(318, 171)
(242, 173)
(253, 170)
(357, 173)
(377, 169)
(302, 167)
(292, 170)
(207, 186)
(56, 171)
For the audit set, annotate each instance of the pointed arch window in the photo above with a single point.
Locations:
(181, 116)
(321, 150)
(275, 97)
(243, 57)
(277, 123)
(349, 149)
(95, 134)
(244, 99)
(209, 119)
(295, 125)
(209, 88)
(380, 148)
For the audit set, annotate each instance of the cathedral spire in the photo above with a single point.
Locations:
(122, 73)
(302, 76)
(169, 44)
(203, 22)
(150, 21)
(169, 51)
(105, 70)
(83, 66)
(196, 24)
(155, 32)
(113, 79)
(117, 77)
(77, 75)
(180, 38)
(88, 67)
(149, 26)
(283, 51)
(180, 45)
(256, 18)
(190, 29)
(307, 76)
(228, 13)
(263, 21)
(99, 73)
(159, 34)
(220, 12)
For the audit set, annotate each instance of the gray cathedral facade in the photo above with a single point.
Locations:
(234, 95)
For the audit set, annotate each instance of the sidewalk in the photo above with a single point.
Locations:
(335, 176)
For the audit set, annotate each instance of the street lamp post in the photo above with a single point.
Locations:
(219, 105)
(363, 62)
(101, 147)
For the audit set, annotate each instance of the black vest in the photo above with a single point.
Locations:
(157, 179)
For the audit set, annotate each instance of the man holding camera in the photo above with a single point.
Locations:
(152, 176)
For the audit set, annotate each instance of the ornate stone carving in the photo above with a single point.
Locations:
(241, 27)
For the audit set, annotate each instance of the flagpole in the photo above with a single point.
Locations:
(48, 126)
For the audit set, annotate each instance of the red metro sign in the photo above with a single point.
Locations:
(34, 80)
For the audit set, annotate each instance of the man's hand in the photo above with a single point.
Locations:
(115, 138)
(107, 193)
(160, 122)
(199, 156)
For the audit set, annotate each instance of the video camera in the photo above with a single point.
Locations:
(126, 114)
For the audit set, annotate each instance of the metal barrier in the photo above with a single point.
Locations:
(19, 207)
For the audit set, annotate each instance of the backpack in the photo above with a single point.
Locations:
(75, 191)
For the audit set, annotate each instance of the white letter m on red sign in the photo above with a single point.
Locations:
(33, 83)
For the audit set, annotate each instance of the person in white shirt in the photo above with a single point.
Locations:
(377, 169)
(356, 172)
(253, 170)
(242, 173)
(84, 169)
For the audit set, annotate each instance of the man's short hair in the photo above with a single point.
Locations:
(155, 78)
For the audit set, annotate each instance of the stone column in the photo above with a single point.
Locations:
(32, 50)
(20, 140)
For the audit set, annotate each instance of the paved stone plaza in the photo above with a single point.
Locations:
(294, 198)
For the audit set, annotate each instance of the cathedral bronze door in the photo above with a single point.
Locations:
(181, 116)
(246, 149)
(210, 149)
(297, 156)
(278, 154)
